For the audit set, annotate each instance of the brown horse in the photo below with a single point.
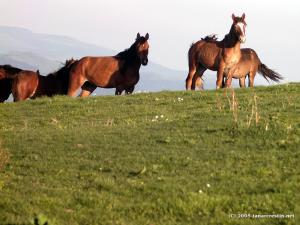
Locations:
(7, 73)
(120, 71)
(248, 65)
(221, 56)
(32, 85)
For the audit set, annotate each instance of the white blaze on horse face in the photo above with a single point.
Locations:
(243, 33)
(242, 27)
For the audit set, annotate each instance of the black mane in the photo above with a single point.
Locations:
(210, 38)
(62, 74)
(64, 70)
(10, 69)
(129, 55)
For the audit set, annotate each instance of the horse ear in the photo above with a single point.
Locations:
(147, 36)
(243, 16)
(233, 17)
(38, 72)
(138, 36)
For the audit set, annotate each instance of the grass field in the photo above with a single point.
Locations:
(157, 158)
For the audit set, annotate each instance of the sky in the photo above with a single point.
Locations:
(273, 25)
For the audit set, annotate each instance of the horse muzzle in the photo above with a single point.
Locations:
(144, 62)
(243, 39)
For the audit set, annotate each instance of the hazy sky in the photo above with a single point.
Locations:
(273, 25)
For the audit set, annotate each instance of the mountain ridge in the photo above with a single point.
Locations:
(26, 49)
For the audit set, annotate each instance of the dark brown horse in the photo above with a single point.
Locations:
(120, 71)
(7, 73)
(248, 65)
(221, 56)
(32, 85)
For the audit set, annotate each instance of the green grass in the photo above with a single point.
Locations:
(109, 160)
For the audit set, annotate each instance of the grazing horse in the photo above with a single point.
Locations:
(7, 73)
(34, 85)
(248, 65)
(221, 56)
(120, 71)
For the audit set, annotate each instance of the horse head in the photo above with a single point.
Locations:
(142, 48)
(239, 26)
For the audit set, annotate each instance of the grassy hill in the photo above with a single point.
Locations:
(165, 158)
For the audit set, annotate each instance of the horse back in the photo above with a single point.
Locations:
(206, 53)
(249, 61)
(101, 71)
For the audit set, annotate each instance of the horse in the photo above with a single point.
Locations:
(120, 71)
(248, 65)
(221, 56)
(34, 85)
(7, 73)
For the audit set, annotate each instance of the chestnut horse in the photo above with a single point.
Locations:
(248, 65)
(221, 56)
(7, 74)
(120, 71)
(34, 85)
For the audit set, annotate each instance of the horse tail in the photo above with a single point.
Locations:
(267, 73)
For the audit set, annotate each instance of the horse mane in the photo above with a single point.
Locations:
(210, 38)
(129, 55)
(10, 69)
(62, 75)
(61, 72)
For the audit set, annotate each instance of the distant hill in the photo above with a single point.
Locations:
(53, 47)
(28, 50)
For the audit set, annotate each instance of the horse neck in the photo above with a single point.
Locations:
(231, 40)
(133, 57)
(61, 74)
(131, 61)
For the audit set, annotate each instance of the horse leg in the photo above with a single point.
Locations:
(15, 90)
(87, 89)
(223, 82)
(189, 79)
(129, 90)
(119, 91)
(197, 82)
(251, 78)
(220, 76)
(76, 80)
(242, 82)
(229, 77)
